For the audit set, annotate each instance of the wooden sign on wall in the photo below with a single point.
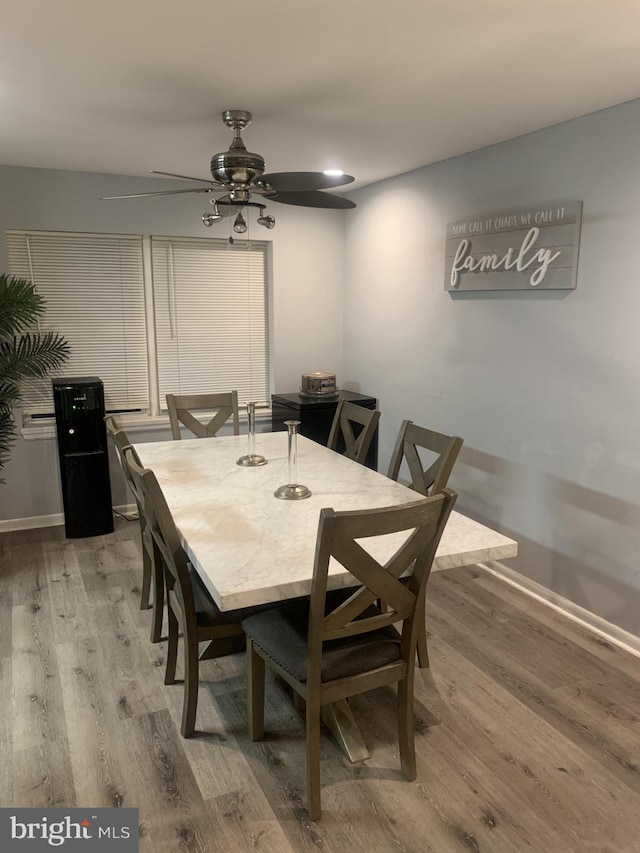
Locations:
(533, 248)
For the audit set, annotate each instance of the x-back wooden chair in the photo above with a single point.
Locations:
(152, 592)
(432, 479)
(357, 442)
(224, 406)
(442, 451)
(191, 610)
(327, 652)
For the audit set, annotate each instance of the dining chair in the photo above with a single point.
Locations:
(427, 478)
(349, 415)
(191, 610)
(223, 405)
(328, 651)
(152, 592)
(445, 448)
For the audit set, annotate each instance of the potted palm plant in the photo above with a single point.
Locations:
(24, 353)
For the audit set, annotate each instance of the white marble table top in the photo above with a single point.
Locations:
(251, 548)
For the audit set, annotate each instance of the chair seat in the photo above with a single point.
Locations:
(282, 634)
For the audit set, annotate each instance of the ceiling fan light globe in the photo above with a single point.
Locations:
(267, 220)
(240, 226)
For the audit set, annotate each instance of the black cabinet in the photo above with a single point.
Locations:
(84, 461)
(316, 416)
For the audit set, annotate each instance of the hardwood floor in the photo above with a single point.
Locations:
(528, 731)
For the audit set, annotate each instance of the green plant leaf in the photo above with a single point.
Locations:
(20, 305)
(23, 353)
(32, 355)
(7, 434)
(9, 392)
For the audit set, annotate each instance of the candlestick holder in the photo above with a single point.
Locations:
(252, 459)
(292, 491)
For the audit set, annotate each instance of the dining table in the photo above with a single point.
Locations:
(251, 548)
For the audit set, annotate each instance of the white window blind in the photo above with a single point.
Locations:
(211, 325)
(93, 286)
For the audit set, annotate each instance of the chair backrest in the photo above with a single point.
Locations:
(224, 406)
(340, 536)
(356, 442)
(433, 478)
(123, 443)
(165, 535)
(111, 425)
(120, 442)
(117, 435)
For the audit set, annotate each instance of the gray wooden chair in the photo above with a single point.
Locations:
(429, 475)
(356, 441)
(191, 610)
(442, 451)
(152, 592)
(328, 651)
(223, 405)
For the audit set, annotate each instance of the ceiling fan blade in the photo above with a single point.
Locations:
(185, 177)
(312, 198)
(293, 182)
(161, 192)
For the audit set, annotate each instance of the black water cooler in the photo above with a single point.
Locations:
(84, 457)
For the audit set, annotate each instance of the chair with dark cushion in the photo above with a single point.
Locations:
(328, 651)
(356, 426)
(152, 592)
(224, 406)
(429, 475)
(191, 610)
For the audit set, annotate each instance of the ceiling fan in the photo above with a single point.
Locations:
(240, 176)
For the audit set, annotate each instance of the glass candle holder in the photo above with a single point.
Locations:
(252, 458)
(292, 491)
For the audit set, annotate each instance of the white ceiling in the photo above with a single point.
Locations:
(376, 87)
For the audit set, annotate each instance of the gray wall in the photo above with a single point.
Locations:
(542, 386)
(306, 305)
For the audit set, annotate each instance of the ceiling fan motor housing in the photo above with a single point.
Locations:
(236, 166)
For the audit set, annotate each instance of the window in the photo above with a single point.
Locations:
(204, 329)
(93, 286)
(210, 317)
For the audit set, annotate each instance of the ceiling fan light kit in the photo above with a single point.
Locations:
(240, 226)
(240, 175)
(267, 220)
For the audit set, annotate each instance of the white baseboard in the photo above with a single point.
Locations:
(612, 633)
(55, 520)
(31, 523)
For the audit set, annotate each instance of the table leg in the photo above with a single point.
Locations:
(339, 719)
(222, 647)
